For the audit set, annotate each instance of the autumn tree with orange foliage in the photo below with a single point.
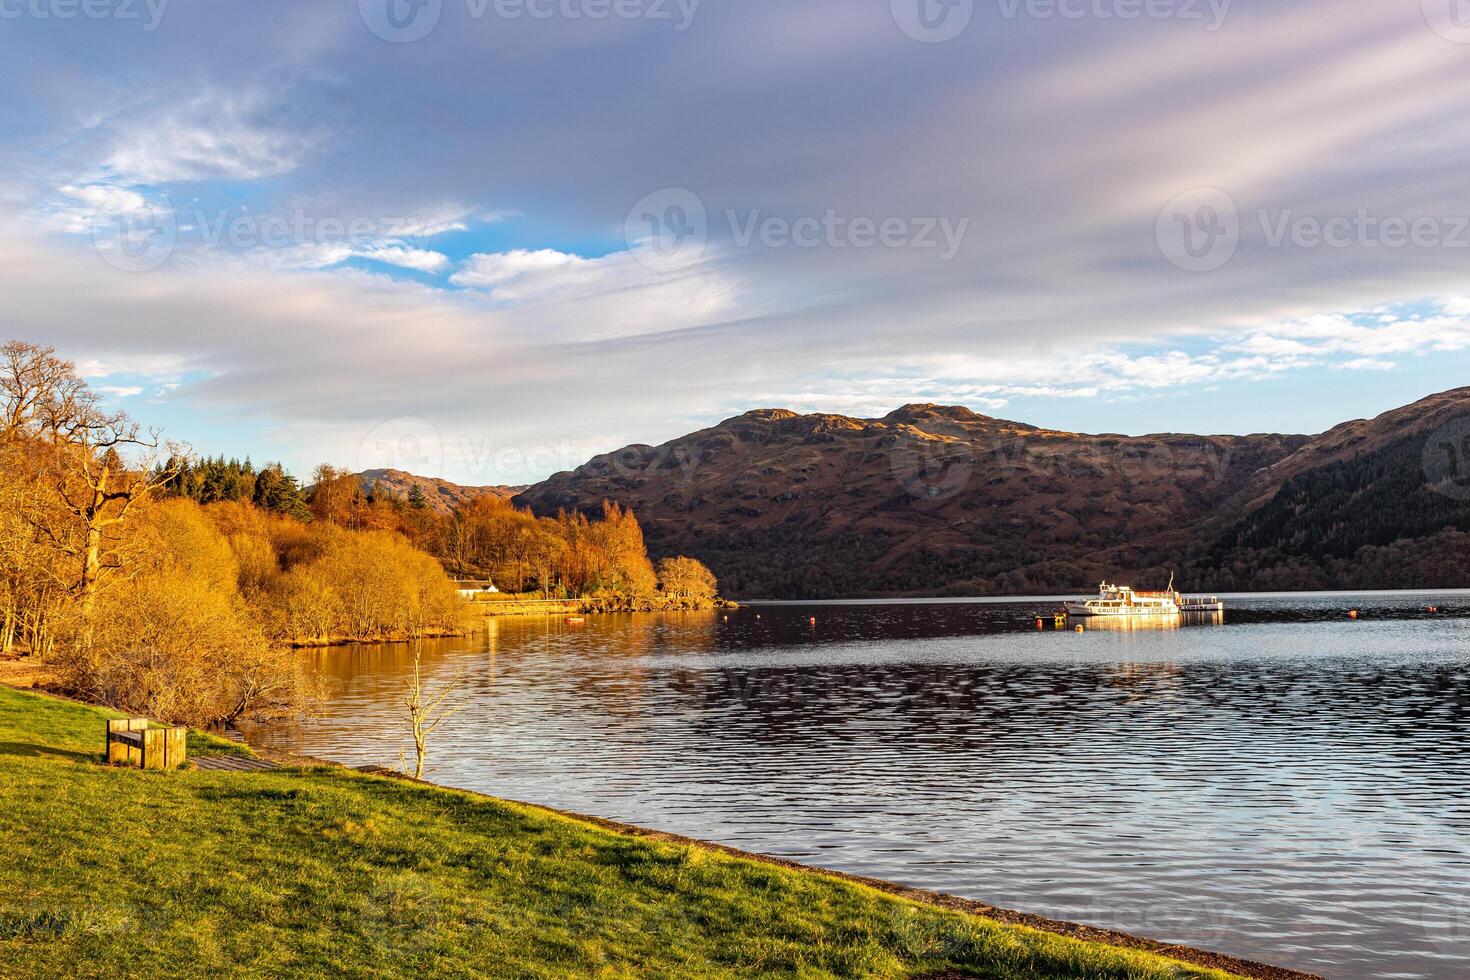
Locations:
(687, 579)
(169, 608)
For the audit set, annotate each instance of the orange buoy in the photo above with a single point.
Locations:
(1039, 624)
(1352, 614)
(812, 621)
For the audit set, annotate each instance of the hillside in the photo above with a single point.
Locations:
(934, 499)
(925, 499)
(1373, 503)
(442, 495)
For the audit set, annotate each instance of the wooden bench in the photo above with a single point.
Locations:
(130, 742)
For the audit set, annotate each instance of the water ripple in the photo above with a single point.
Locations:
(1291, 786)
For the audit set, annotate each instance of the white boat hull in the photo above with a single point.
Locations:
(1082, 609)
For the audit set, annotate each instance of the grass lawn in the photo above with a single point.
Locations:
(119, 872)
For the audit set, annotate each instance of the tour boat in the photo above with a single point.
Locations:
(1120, 600)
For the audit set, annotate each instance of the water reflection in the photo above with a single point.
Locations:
(1287, 785)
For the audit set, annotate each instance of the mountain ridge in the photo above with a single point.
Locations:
(442, 496)
(940, 499)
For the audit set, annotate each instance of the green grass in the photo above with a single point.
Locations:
(119, 872)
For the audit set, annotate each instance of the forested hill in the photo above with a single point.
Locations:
(926, 499)
(1389, 509)
(438, 495)
(932, 499)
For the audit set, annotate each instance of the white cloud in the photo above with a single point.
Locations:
(210, 135)
(418, 259)
(522, 270)
(77, 209)
(120, 391)
(148, 365)
(436, 222)
(609, 296)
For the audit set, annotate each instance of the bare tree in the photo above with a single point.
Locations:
(36, 388)
(427, 710)
(78, 449)
(97, 490)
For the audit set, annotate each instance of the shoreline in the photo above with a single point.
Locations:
(494, 608)
(1075, 930)
(1196, 956)
(1189, 954)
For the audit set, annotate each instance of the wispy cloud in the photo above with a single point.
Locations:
(504, 300)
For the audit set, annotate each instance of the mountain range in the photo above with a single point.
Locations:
(933, 499)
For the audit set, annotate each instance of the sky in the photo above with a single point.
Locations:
(486, 239)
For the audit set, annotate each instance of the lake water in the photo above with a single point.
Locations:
(1290, 786)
